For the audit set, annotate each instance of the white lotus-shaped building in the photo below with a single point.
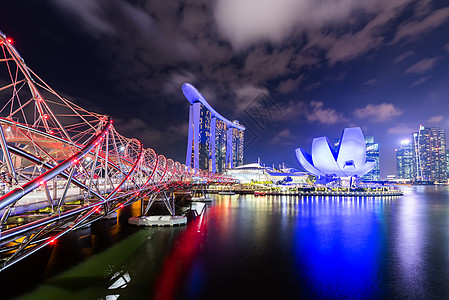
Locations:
(348, 160)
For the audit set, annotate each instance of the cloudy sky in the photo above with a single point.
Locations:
(289, 70)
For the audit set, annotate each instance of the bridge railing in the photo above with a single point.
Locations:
(67, 163)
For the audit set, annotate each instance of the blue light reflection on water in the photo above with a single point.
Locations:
(338, 246)
(318, 247)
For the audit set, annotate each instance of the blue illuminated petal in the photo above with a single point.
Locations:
(352, 149)
(323, 157)
(305, 160)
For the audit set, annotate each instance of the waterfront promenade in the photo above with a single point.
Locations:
(288, 191)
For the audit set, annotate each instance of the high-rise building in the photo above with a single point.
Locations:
(220, 146)
(430, 160)
(237, 146)
(372, 153)
(438, 152)
(214, 143)
(204, 138)
(404, 160)
(447, 162)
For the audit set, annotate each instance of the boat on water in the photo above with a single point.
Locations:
(257, 194)
(201, 199)
(226, 193)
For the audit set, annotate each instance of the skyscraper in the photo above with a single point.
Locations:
(447, 162)
(220, 146)
(404, 160)
(430, 161)
(438, 154)
(372, 153)
(237, 145)
(204, 138)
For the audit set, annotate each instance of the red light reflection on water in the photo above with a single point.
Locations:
(177, 264)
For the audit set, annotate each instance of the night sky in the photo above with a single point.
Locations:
(289, 70)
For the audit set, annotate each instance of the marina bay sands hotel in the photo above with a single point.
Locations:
(214, 143)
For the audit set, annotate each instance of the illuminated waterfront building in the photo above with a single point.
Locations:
(372, 154)
(256, 173)
(348, 159)
(404, 160)
(214, 143)
(429, 149)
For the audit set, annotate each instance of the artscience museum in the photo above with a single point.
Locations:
(348, 160)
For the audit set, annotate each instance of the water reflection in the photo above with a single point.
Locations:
(179, 261)
(293, 247)
(409, 247)
(338, 246)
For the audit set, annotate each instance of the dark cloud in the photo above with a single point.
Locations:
(313, 112)
(284, 137)
(290, 85)
(435, 119)
(237, 52)
(403, 129)
(415, 28)
(371, 82)
(403, 56)
(378, 112)
(423, 65)
(420, 81)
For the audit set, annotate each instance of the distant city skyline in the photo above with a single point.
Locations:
(289, 70)
(424, 157)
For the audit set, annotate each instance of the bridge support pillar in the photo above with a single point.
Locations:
(167, 197)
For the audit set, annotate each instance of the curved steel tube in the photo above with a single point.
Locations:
(18, 193)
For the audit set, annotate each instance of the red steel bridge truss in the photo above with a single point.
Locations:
(68, 164)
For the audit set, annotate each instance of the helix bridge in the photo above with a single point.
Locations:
(63, 167)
